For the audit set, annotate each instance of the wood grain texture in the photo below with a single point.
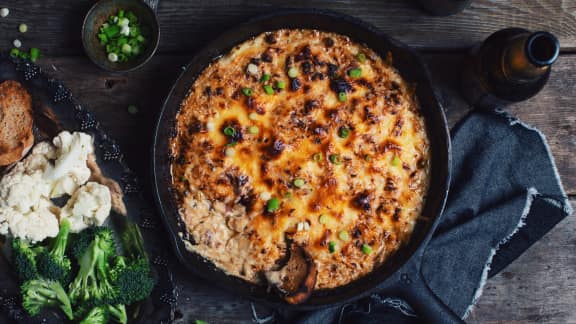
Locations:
(54, 26)
(539, 287)
(552, 111)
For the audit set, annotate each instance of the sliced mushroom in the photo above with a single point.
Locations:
(297, 278)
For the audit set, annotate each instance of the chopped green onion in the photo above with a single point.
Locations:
(355, 73)
(292, 72)
(112, 57)
(229, 131)
(253, 130)
(265, 77)
(288, 195)
(17, 43)
(253, 116)
(15, 52)
(229, 151)
(273, 205)
(342, 96)
(280, 84)
(252, 69)
(367, 249)
(396, 161)
(361, 57)
(323, 219)
(248, 92)
(331, 246)
(23, 28)
(367, 158)
(268, 89)
(344, 132)
(126, 49)
(132, 110)
(344, 236)
(298, 183)
(335, 159)
(317, 157)
(231, 144)
(200, 322)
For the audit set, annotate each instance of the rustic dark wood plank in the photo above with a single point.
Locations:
(539, 287)
(54, 26)
(552, 111)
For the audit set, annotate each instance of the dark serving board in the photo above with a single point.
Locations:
(55, 109)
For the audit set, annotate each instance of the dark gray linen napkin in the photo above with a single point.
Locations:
(504, 196)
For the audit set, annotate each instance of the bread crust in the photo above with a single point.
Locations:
(16, 136)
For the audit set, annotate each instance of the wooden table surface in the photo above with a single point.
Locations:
(539, 287)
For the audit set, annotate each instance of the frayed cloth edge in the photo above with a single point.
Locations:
(530, 195)
(512, 121)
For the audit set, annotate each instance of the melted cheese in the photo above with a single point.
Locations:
(223, 183)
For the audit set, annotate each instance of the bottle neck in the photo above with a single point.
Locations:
(529, 56)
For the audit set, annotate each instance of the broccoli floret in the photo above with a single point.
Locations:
(98, 315)
(24, 259)
(53, 263)
(40, 293)
(118, 313)
(86, 237)
(132, 279)
(92, 284)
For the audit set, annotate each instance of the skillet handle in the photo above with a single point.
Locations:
(426, 303)
(152, 4)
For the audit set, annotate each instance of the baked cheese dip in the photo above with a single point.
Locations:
(299, 139)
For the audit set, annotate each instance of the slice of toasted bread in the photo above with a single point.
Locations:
(16, 136)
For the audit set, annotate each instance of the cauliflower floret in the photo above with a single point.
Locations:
(89, 206)
(22, 192)
(33, 226)
(39, 158)
(70, 170)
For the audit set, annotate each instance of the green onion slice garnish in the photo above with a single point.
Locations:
(281, 84)
(253, 130)
(292, 72)
(229, 131)
(342, 96)
(335, 159)
(396, 161)
(265, 77)
(298, 183)
(366, 249)
(323, 219)
(273, 205)
(361, 57)
(355, 73)
(344, 236)
(248, 92)
(331, 246)
(343, 132)
(367, 158)
(268, 89)
(317, 157)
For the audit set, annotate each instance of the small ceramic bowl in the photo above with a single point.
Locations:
(98, 15)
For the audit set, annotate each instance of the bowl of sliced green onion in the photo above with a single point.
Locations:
(120, 35)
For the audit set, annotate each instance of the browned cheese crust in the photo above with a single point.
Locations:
(360, 195)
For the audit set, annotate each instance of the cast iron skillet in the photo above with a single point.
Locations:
(401, 276)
